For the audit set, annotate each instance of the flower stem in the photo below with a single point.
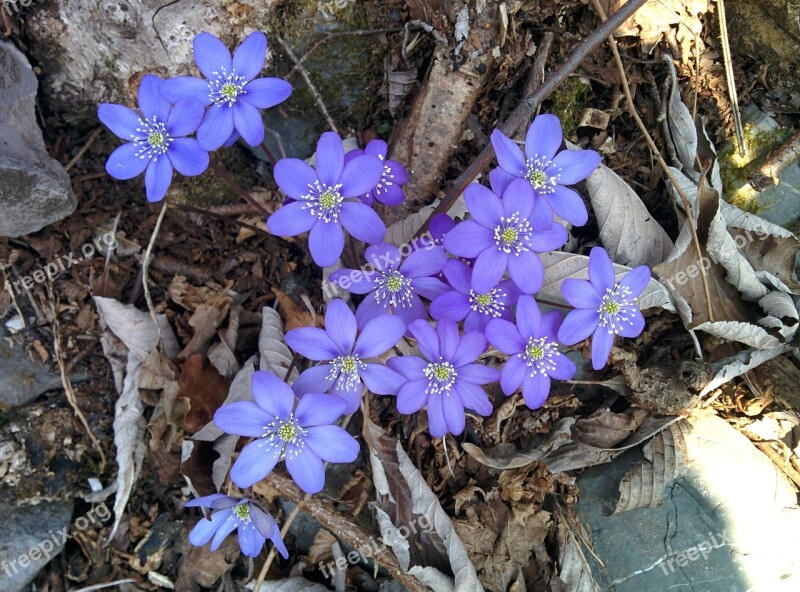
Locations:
(269, 153)
(221, 173)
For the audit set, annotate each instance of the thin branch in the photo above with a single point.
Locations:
(654, 149)
(89, 141)
(528, 106)
(146, 267)
(307, 78)
(726, 58)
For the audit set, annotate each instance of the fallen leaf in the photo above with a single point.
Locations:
(199, 567)
(293, 315)
(205, 389)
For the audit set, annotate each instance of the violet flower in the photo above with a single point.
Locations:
(446, 378)
(603, 306)
(533, 352)
(387, 191)
(462, 303)
(254, 525)
(298, 432)
(347, 373)
(394, 285)
(547, 173)
(327, 199)
(229, 89)
(501, 236)
(156, 139)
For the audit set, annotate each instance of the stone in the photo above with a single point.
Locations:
(22, 379)
(32, 536)
(34, 188)
(729, 524)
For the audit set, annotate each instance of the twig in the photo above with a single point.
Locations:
(537, 73)
(89, 141)
(65, 382)
(223, 174)
(528, 106)
(224, 217)
(268, 153)
(779, 461)
(777, 161)
(334, 35)
(726, 57)
(307, 78)
(146, 266)
(640, 124)
(9, 30)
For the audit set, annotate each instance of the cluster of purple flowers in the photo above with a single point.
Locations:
(477, 279)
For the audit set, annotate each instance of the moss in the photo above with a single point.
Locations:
(736, 170)
(568, 102)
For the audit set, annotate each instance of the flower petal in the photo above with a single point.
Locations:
(453, 411)
(225, 528)
(634, 327)
(326, 242)
(121, 120)
(182, 87)
(340, 325)
(505, 336)
(429, 287)
(485, 207)
(542, 215)
(314, 344)
(499, 180)
(315, 409)
(247, 121)
(187, 157)
(447, 331)
(330, 160)
(243, 418)
(427, 339)
(564, 367)
(468, 239)
(207, 501)
(549, 240)
(185, 117)
(362, 222)
(602, 342)
(360, 175)
(509, 156)
(124, 163)
(216, 128)
(204, 530)
(580, 293)
(250, 540)
(383, 256)
(578, 325)
(306, 469)
(413, 311)
(211, 55)
(379, 335)
(529, 317)
(471, 346)
(474, 397)
(519, 198)
(601, 270)
(151, 103)
(411, 367)
(478, 374)
(437, 424)
(294, 177)
(424, 263)
(489, 268)
(568, 204)
(512, 374)
(264, 93)
(355, 281)
(550, 324)
(458, 275)
(249, 57)
(158, 178)
(256, 461)
(575, 165)
(412, 396)
(527, 271)
(381, 380)
(291, 219)
(272, 394)
(636, 280)
(332, 444)
(350, 392)
(369, 309)
(535, 388)
(450, 305)
(313, 380)
(544, 137)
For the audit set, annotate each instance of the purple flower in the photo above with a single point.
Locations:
(500, 236)
(388, 190)
(157, 139)
(255, 526)
(546, 172)
(440, 225)
(321, 200)
(446, 377)
(229, 89)
(299, 432)
(394, 285)
(532, 349)
(464, 303)
(347, 373)
(603, 306)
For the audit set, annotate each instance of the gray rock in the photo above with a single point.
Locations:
(729, 525)
(31, 538)
(34, 188)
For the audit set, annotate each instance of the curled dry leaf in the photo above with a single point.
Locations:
(574, 574)
(276, 357)
(295, 316)
(204, 388)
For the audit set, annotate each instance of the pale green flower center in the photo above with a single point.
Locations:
(328, 199)
(394, 283)
(156, 139)
(349, 364)
(611, 307)
(441, 376)
(509, 235)
(483, 299)
(537, 179)
(229, 91)
(242, 511)
(287, 432)
(534, 352)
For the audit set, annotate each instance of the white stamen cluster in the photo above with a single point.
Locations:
(242, 512)
(347, 367)
(286, 434)
(616, 308)
(512, 234)
(324, 201)
(538, 355)
(394, 289)
(224, 88)
(152, 138)
(441, 376)
(488, 304)
(541, 177)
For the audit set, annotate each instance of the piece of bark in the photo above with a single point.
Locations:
(781, 378)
